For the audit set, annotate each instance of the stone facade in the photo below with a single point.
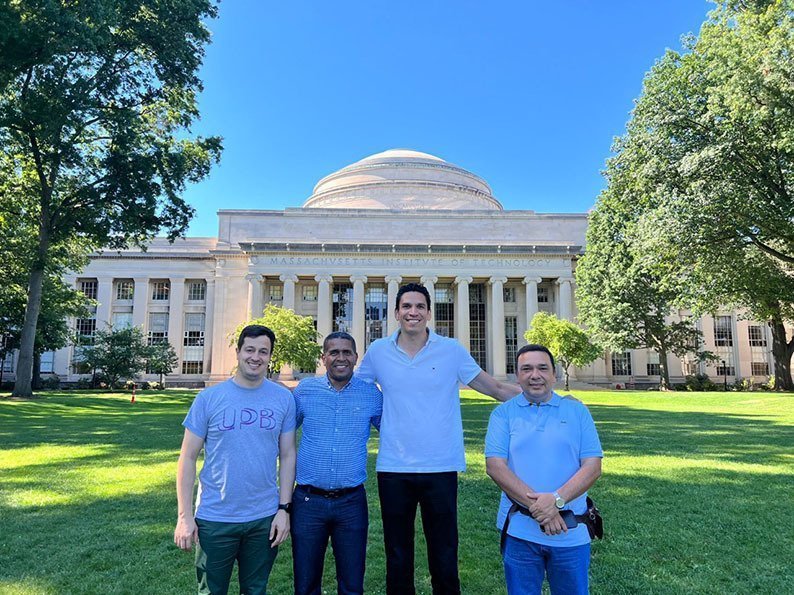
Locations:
(392, 218)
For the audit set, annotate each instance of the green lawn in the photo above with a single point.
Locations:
(697, 495)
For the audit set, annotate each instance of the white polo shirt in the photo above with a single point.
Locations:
(421, 429)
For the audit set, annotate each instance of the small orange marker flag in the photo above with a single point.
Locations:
(132, 400)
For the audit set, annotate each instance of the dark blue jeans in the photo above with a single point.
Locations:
(526, 564)
(436, 494)
(345, 521)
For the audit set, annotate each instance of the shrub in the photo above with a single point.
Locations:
(50, 383)
(699, 382)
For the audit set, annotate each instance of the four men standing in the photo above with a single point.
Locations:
(421, 452)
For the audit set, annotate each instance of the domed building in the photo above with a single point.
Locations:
(390, 218)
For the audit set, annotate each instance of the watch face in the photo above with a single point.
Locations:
(559, 502)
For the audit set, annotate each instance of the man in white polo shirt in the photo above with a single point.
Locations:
(421, 439)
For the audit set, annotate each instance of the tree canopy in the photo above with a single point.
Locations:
(296, 338)
(95, 101)
(569, 344)
(116, 354)
(707, 167)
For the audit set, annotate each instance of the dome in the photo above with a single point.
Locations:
(403, 179)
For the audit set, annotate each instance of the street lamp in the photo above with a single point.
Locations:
(725, 375)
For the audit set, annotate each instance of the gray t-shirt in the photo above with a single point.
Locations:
(241, 428)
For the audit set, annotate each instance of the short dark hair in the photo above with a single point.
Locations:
(409, 287)
(254, 331)
(534, 347)
(339, 335)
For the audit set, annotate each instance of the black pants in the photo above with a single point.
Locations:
(437, 496)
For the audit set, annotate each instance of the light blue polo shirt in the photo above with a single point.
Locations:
(421, 429)
(543, 445)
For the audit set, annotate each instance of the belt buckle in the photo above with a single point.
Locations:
(332, 494)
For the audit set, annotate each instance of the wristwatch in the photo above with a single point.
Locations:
(559, 501)
(286, 507)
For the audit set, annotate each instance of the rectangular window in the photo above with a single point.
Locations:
(759, 368)
(158, 327)
(342, 307)
(690, 368)
(85, 328)
(756, 335)
(192, 367)
(444, 310)
(196, 291)
(160, 291)
(121, 320)
(194, 330)
(543, 295)
(8, 362)
(125, 289)
(723, 331)
(509, 294)
(375, 308)
(477, 330)
(275, 292)
(653, 367)
(88, 287)
(309, 293)
(621, 364)
(725, 370)
(47, 362)
(511, 343)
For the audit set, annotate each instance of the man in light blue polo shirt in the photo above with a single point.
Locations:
(421, 439)
(543, 451)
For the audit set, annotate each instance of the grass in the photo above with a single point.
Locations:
(696, 494)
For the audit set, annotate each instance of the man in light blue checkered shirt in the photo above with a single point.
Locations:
(336, 411)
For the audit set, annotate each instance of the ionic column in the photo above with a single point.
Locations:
(462, 330)
(324, 305)
(565, 307)
(209, 322)
(393, 287)
(140, 297)
(358, 310)
(498, 326)
(104, 297)
(176, 315)
(289, 281)
(429, 282)
(532, 297)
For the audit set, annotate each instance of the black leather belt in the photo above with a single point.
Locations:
(329, 493)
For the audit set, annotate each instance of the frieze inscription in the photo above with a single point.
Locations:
(388, 262)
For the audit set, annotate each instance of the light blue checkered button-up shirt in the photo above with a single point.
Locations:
(333, 449)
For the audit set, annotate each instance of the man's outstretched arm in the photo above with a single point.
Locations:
(488, 385)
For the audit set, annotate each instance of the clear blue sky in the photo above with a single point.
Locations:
(528, 95)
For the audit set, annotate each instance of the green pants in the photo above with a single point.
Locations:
(220, 544)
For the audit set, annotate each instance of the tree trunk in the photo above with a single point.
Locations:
(23, 386)
(567, 376)
(664, 372)
(782, 351)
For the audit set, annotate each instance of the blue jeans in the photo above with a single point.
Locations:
(316, 518)
(526, 563)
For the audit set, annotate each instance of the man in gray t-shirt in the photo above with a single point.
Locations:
(243, 424)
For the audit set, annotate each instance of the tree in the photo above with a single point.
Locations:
(296, 338)
(710, 150)
(161, 359)
(116, 353)
(95, 98)
(569, 344)
(622, 302)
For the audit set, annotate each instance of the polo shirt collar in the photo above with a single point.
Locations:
(553, 402)
(431, 336)
(333, 388)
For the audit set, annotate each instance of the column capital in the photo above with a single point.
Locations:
(178, 279)
(324, 277)
(561, 280)
(288, 277)
(528, 280)
(495, 280)
(428, 279)
(354, 278)
(251, 277)
(395, 278)
(463, 279)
